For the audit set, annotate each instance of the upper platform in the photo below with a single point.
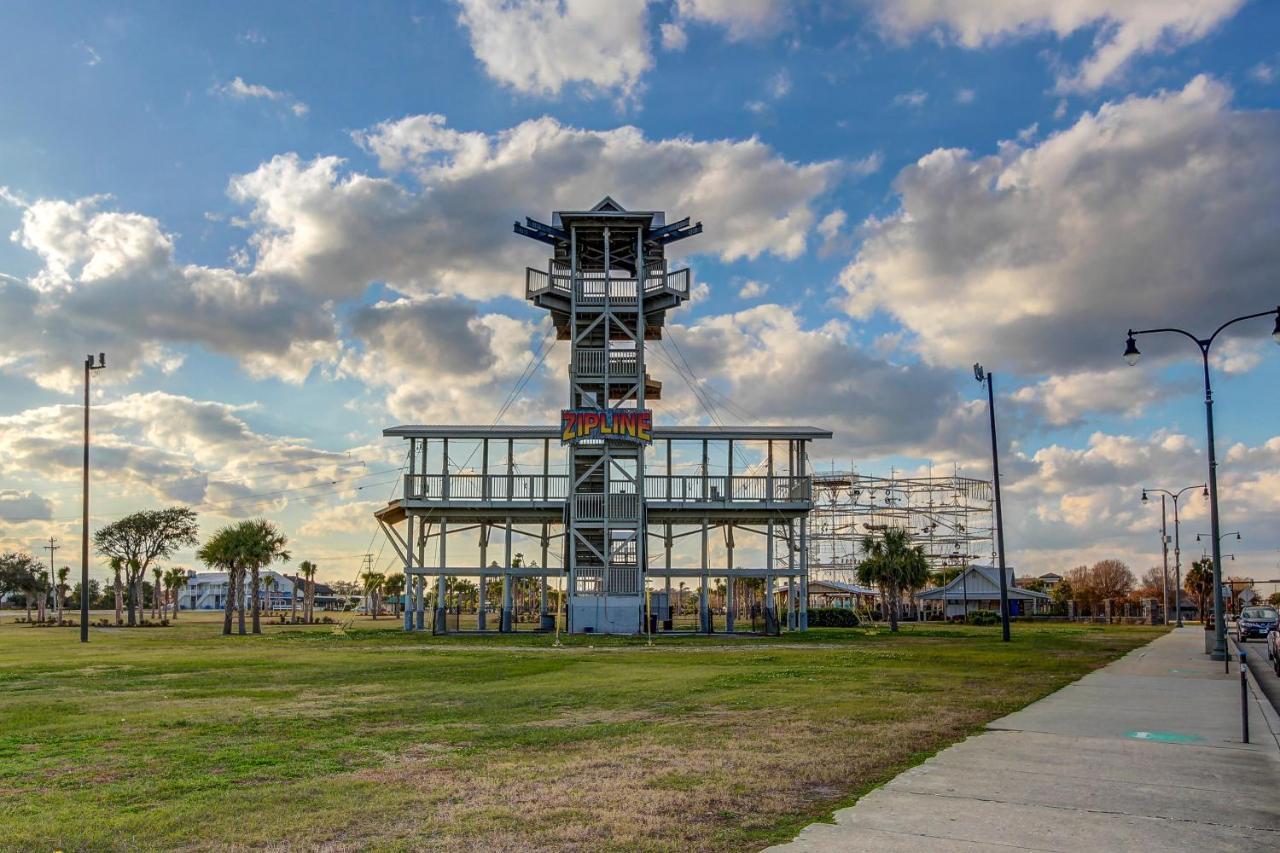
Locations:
(608, 258)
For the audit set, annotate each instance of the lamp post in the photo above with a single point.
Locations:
(1132, 355)
(989, 380)
(89, 367)
(1177, 539)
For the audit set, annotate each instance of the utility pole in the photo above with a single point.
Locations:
(89, 367)
(53, 580)
(989, 380)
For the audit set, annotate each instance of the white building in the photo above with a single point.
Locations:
(208, 591)
(978, 588)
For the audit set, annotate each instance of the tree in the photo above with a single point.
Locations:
(1110, 580)
(1061, 594)
(308, 570)
(1274, 599)
(63, 574)
(174, 580)
(895, 566)
(392, 587)
(263, 545)
(157, 575)
(117, 568)
(18, 574)
(1198, 582)
(1151, 584)
(373, 589)
(143, 537)
(222, 552)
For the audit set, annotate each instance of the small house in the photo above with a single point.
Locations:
(978, 588)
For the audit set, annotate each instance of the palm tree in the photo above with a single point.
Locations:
(308, 570)
(157, 575)
(263, 544)
(222, 551)
(893, 565)
(392, 587)
(293, 600)
(174, 578)
(117, 566)
(62, 589)
(372, 589)
(268, 585)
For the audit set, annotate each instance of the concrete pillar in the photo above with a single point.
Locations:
(481, 597)
(770, 604)
(704, 605)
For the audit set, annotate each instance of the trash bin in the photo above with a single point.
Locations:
(547, 622)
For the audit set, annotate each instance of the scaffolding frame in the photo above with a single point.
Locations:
(950, 517)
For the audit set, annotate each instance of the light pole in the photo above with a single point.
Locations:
(89, 367)
(1236, 534)
(989, 380)
(1177, 539)
(1131, 355)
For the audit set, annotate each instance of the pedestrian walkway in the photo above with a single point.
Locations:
(1144, 754)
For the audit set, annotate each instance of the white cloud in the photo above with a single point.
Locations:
(674, 37)
(1037, 259)
(914, 99)
(965, 96)
(740, 19)
(337, 231)
(237, 89)
(540, 46)
(1263, 73)
(110, 282)
(1123, 29)
(1065, 400)
(752, 289)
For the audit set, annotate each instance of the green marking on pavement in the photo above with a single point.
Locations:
(1165, 737)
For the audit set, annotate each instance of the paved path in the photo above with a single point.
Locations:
(1144, 754)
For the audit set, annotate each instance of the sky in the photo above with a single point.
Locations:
(288, 226)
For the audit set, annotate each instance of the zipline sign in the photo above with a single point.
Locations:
(625, 424)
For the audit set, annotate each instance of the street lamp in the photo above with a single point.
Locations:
(1177, 539)
(1131, 355)
(989, 379)
(89, 367)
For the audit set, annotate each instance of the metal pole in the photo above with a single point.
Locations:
(1244, 699)
(1177, 563)
(995, 474)
(84, 528)
(1164, 549)
(1219, 626)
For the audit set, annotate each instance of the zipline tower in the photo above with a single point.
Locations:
(578, 493)
(608, 289)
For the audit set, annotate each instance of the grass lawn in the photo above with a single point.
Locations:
(372, 739)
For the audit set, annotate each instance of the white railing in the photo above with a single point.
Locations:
(593, 285)
(529, 488)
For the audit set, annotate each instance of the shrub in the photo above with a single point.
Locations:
(832, 617)
(984, 617)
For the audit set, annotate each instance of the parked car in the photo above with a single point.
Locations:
(1256, 622)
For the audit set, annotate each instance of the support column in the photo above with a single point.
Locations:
(730, 603)
(668, 618)
(770, 603)
(804, 573)
(505, 625)
(482, 597)
(420, 581)
(704, 606)
(408, 563)
(441, 625)
(791, 574)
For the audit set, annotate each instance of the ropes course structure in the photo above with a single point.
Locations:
(949, 516)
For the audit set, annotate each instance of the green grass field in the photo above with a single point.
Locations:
(309, 738)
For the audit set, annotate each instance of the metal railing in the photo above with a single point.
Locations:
(486, 487)
(592, 285)
(622, 363)
(528, 488)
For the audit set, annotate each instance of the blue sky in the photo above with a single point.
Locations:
(290, 226)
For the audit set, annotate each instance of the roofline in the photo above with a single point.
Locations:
(711, 433)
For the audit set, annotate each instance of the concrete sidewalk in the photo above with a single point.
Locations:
(1144, 754)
